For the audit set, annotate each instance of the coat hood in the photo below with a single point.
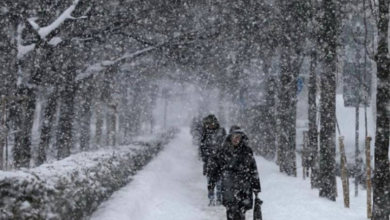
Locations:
(244, 139)
(211, 119)
(234, 128)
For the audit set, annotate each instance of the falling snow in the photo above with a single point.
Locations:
(105, 109)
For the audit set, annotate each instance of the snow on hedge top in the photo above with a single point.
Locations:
(5, 174)
(56, 169)
(53, 170)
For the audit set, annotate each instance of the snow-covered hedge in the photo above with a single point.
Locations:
(72, 188)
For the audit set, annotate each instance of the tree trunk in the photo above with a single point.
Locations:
(2, 131)
(126, 125)
(287, 113)
(64, 142)
(47, 125)
(328, 105)
(313, 129)
(381, 170)
(292, 162)
(99, 125)
(312, 99)
(291, 153)
(270, 119)
(85, 119)
(23, 115)
(283, 110)
(115, 131)
(111, 126)
(137, 108)
(357, 151)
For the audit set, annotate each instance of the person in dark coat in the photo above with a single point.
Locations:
(197, 132)
(236, 167)
(211, 142)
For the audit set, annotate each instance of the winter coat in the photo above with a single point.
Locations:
(211, 142)
(236, 166)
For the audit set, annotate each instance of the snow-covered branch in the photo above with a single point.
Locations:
(104, 64)
(45, 31)
(180, 39)
(128, 56)
(22, 50)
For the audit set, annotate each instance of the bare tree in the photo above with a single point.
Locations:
(381, 180)
(328, 102)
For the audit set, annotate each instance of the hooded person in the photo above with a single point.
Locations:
(212, 139)
(236, 167)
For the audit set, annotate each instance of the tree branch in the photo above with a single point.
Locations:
(45, 31)
(22, 50)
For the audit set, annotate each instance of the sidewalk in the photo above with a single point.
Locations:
(172, 187)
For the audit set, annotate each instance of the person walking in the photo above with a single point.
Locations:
(236, 167)
(212, 139)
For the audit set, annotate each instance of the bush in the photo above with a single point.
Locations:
(76, 192)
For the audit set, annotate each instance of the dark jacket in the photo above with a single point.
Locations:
(236, 166)
(211, 142)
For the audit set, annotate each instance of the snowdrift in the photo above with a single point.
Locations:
(72, 188)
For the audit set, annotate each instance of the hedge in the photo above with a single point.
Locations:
(54, 194)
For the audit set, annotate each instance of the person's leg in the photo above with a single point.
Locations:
(229, 213)
(238, 214)
(219, 192)
(234, 213)
(210, 192)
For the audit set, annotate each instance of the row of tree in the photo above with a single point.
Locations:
(93, 67)
(85, 63)
(98, 63)
(296, 31)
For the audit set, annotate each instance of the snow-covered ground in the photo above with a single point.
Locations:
(172, 187)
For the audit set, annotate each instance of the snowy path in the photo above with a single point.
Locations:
(172, 187)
